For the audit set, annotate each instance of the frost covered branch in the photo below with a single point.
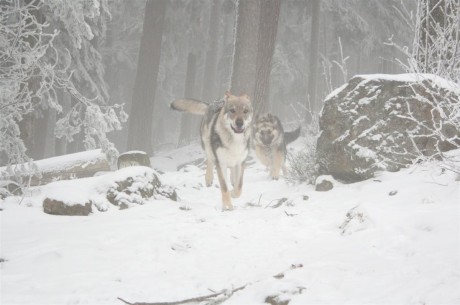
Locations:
(435, 50)
(37, 61)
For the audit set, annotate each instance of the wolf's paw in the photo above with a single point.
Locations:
(227, 208)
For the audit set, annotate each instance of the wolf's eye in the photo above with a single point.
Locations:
(232, 110)
(246, 111)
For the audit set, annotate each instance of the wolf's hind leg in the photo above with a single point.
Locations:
(209, 172)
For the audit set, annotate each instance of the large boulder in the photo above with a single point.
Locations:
(370, 124)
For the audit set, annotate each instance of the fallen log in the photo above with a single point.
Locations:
(66, 167)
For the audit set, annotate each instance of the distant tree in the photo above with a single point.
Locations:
(314, 55)
(268, 28)
(140, 124)
(245, 48)
(187, 118)
(209, 88)
(119, 50)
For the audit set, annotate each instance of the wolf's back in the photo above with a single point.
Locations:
(291, 136)
(190, 105)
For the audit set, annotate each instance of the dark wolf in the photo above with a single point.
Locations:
(270, 142)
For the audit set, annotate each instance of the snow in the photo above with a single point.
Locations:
(413, 77)
(404, 77)
(393, 239)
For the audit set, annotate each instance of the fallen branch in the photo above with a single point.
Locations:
(196, 299)
(224, 293)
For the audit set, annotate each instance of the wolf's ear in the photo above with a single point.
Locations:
(227, 93)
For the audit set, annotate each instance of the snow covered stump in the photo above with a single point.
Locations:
(385, 122)
(133, 158)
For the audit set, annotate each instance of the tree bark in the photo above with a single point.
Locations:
(209, 88)
(245, 50)
(268, 28)
(141, 114)
(186, 127)
(314, 58)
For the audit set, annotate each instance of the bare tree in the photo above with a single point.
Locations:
(268, 28)
(140, 123)
(209, 88)
(245, 50)
(314, 58)
(187, 126)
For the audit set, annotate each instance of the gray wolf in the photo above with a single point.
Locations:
(270, 140)
(225, 137)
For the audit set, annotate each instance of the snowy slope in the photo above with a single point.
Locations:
(401, 247)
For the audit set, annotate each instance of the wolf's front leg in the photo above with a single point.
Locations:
(226, 200)
(238, 183)
(277, 164)
(209, 172)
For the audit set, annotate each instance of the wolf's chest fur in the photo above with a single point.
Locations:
(233, 152)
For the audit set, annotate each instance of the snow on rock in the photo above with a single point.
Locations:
(365, 127)
(124, 188)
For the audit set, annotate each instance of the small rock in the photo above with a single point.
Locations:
(324, 183)
(57, 207)
(392, 193)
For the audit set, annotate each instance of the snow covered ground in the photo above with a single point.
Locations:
(394, 239)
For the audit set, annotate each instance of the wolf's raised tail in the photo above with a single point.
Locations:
(190, 105)
(291, 136)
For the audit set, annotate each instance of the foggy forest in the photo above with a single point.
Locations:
(323, 166)
(91, 57)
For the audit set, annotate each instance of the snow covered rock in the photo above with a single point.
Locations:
(133, 158)
(136, 189)
(124, 188)
(364, 125)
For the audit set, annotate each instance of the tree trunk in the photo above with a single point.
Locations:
(209, 88)
(140, 122)
(186, 127)
(245, 52)
(314, 58)
(268, 28)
